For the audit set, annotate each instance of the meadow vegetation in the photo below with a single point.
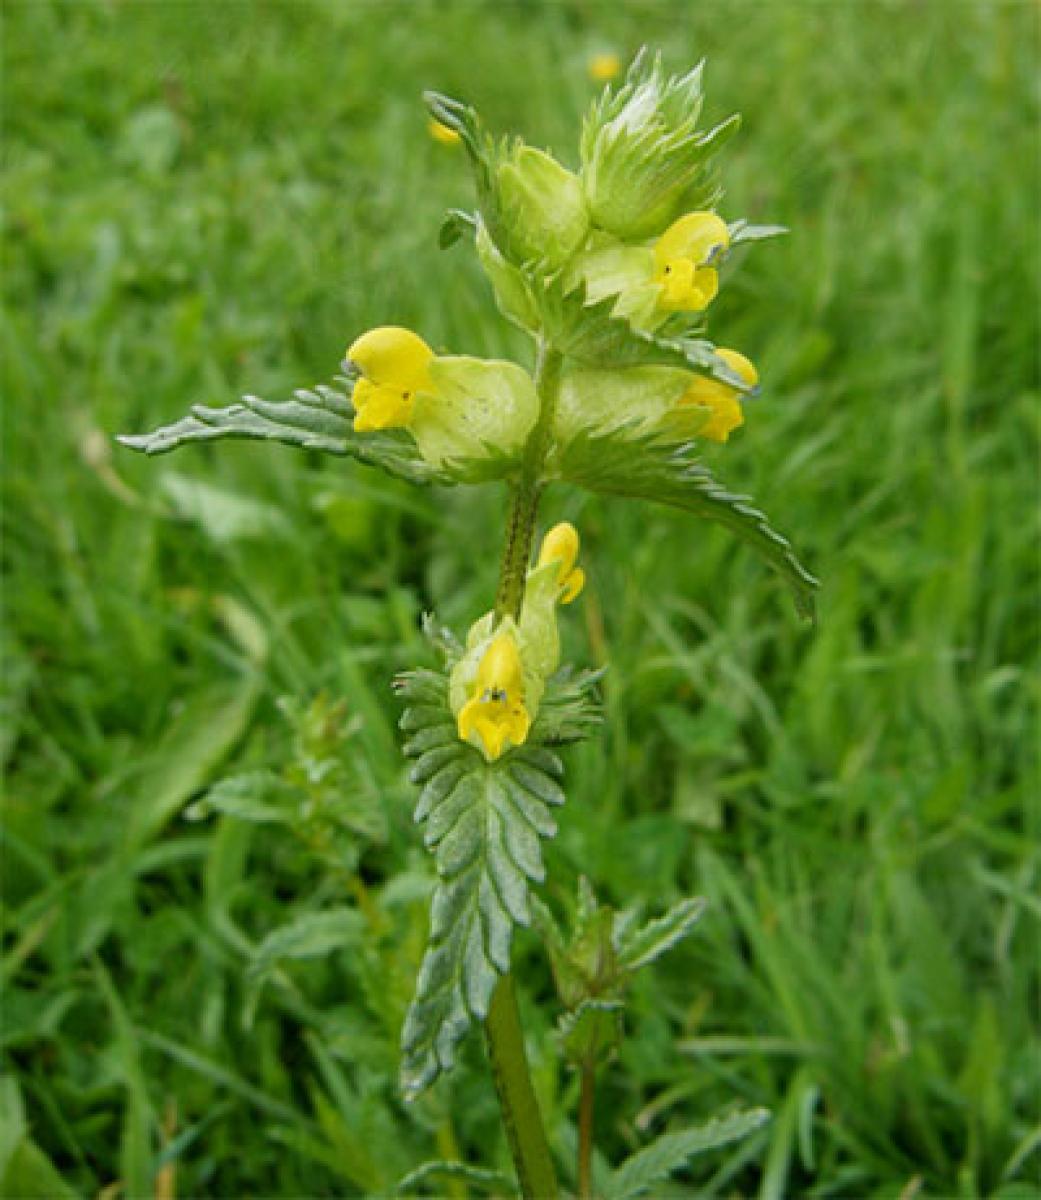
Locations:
(203, 991)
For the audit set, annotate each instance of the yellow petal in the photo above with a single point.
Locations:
(392, 356)
(573, 585)
(705, 288)
(696, 236)
(496, 724)
(741, 366)
(677, 281)
(441, 133)
(726, 417)
(721, 400)
(379, 407)
(560, 545)
(501, 669)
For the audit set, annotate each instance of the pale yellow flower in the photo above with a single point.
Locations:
(495, 712)
(682, 261)
(604, 67)
(394, 364)
(722, 400)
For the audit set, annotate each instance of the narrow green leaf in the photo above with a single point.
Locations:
(642, 946)
(646, 467)
(673, 1150)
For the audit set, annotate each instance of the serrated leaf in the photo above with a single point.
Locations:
(646, 467)
(570, 708)
(312, 420)
(491, 1181)
(484, 823)
(321, 419)
(673, 1150)
(637, 948)
(258, 796)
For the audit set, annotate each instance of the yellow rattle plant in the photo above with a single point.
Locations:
(612, 268)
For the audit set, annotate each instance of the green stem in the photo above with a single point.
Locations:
(520, 1111)
(524, 498)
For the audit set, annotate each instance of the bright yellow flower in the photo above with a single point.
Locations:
(495, 711)
(561, 546)
(722, 400)
(604, 67)
(682, 258)
(394, 364)
(441, 133)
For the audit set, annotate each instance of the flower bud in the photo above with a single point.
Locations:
(643, 159)
(560, 546)
(541, 212)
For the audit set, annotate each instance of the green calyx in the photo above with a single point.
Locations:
(542, 215)
(644, 160)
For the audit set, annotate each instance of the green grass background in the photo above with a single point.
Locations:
(205, 199)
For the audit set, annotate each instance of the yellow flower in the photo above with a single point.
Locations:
(682, 258)
(561, 546)
(495, 711)
(394, 364)
(441, 133)
(604, 67)
(721, 400)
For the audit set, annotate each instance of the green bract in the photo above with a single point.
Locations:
(643, 159)
(631, 399)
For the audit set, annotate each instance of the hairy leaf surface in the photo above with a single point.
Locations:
(484, 823)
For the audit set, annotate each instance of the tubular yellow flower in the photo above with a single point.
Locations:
(682, 258)
(441, 133)
(561, 546)
(604, 67)
(394, 364)
(495, 711)
(722, 401)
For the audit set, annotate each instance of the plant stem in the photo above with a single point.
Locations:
(585, 1131)
(520, 1109)
(524, 499)
(502, 1027)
